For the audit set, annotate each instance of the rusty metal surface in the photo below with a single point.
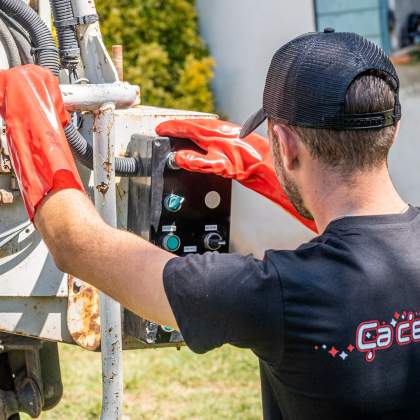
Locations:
(83, 319)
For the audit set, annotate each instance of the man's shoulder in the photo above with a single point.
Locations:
(312, 261)
(305, 252)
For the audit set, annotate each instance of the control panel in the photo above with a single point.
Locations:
(195, 215)
(180, 211)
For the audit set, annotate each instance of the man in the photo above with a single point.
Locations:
(335, 323)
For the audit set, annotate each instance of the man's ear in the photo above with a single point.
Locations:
(397, 130)
(288, 144)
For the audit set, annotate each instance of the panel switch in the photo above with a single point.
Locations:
(213, 241)
(171, 242)
(173, 202)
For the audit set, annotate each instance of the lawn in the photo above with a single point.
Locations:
(164, 384)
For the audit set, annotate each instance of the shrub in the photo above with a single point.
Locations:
(163, 52)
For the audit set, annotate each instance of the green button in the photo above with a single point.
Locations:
(171, 243)
(173, 202)
(167, 329)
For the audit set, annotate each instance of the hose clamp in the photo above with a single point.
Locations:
(70, 52)
(36, 50)
(76, 21)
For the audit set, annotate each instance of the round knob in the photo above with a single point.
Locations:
(173, 202)
(213, 241)
(171, 242)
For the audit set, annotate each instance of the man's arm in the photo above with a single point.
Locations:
(121, 264)
(216, 298)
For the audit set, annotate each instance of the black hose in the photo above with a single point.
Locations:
(62, 11)
(21, 38)
(24, 47)
(12, 24)
(9, 45)
(45, 49)
(46, 55)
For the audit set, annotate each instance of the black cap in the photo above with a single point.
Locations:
(308, 80)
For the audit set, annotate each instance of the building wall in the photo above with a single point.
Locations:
(404, 162)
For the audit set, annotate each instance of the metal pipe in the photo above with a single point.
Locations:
(84, 97)
(110, 310)
(118, 60)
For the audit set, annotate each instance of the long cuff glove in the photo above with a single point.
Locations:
(32, 108)
(224, 153)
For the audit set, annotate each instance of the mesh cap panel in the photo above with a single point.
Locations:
(309, 77)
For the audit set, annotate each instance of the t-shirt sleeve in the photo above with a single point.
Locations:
(225, 298)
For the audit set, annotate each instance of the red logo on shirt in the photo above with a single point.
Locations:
(371, 336)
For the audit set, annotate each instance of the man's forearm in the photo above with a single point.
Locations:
(121, 264)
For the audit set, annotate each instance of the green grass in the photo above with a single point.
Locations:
(164, 384)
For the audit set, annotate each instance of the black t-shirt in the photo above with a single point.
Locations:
(335, 323)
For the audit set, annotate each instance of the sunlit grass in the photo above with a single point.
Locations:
(164, 384)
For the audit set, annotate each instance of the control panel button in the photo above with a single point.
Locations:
(173, 202)
(167, 329)
(212, 199)
(171, 242)
(213, 241)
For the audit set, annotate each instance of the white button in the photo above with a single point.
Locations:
(212, 199)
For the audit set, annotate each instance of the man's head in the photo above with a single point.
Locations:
(331, 100)
(343, 152)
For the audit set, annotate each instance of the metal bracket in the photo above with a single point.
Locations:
(76, 21)
(161, 151)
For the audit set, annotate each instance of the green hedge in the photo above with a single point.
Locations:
(163, 52)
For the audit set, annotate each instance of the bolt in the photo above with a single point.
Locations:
(6, 197)
(77, 286)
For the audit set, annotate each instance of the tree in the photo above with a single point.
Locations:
(163, 52)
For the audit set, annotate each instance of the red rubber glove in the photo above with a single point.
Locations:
(32, 107)
(245, 160)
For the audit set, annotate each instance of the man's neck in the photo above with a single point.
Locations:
(366, 193)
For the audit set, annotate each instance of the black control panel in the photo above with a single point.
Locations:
(180, 211)
(195, 215)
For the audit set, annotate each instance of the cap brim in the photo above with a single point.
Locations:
(252, 123)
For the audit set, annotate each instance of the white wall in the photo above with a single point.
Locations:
(404, 162)
(243, 36)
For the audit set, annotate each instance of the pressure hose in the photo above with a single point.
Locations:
(46, 55)
(44, 46)
(62, 12)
